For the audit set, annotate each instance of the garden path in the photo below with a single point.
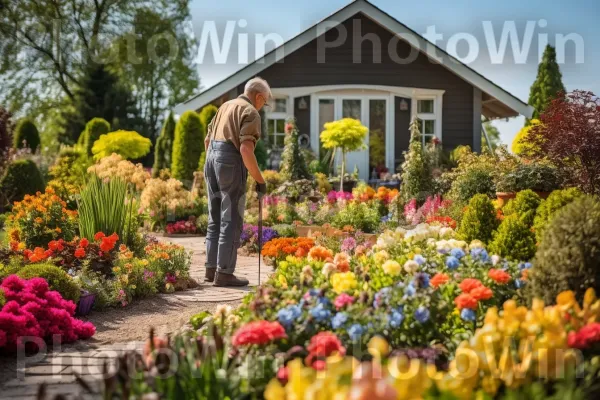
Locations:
(121, 330)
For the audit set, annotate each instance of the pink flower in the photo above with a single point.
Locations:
(343, 300)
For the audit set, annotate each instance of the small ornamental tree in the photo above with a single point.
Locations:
(570, 137)
(293, 165)
(346, 134)
(6, 129)
(521, 144)
(187, 147)
(416, 172)
(479, 221)
(95, 128)
(128, 144)
(163, 150)
(548, 83)
(26, 134)
(206, 116)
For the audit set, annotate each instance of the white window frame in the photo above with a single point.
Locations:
(435, 116)
(272, 115)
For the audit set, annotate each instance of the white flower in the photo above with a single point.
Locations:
(446, 232)
(476, 244)
(328, 268)
(411, 266)
(223, 310)
(495, 259)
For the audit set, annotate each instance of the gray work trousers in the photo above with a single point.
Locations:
(226, 176)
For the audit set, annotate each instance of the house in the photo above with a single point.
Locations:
(362, 63)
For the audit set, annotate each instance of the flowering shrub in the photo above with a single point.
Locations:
(161, 197)
(281, 247)
(182, 227)
(258, 333)
(32, 309)
(249, 236)
(38, 219)
(115, 166)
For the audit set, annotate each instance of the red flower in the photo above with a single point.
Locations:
(469, 284)
(55, 245)
(108, 242)
(80, 252)
(83, 243)
(499, 276)
(438, 280)
(465, 300)
(482, 293)
(259, 333)
(99, 236)
(585, 337)
(322, 345)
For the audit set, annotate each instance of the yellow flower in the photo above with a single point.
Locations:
(343, 281)
(381, 256)
(391, 267)
(378, 346)
(283, 281)
(274, 390)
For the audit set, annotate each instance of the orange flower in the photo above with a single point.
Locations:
(83, 243)
(482, 293)
(80, 252)
(499, 276)
(465, 300)
(301, 252)
(469, 284)
(319, 253)
(99, 236)
(14, 245)
(524, 274)
(39, 220)
(55, 245)
(342, 262)
(439, 280)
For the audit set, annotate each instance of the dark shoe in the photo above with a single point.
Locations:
(209, 274)
(222, 279)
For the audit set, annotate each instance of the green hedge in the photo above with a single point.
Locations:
(479, 221)
(93, 129)
(524, 205)
(27, 132)
(163, 150)
(21, 177)
(513, 240)
(548, 208)
(57, 279)
(187, 147)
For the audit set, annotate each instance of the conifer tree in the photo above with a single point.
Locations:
(548, 83)
(416, 173)
(163, 149)
(293, 164)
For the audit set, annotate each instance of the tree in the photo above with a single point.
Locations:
(347, 135)
(206, 116)
(493, 134)
(129, 145)
(569, 136)
(26, 135)
(163, 150)
(416, 171)
(187, 147)
(548, 83)
(521, 144)
(100, 95)
(293, 165)
(93, 130)
(6, 129)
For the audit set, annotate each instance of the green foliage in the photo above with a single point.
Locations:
(475, 181)
(202, 224)
(128, 144)
(9, 269)
(57, 279)
(69, 172)
(537, 176)
(6, 130)
(261, 154)
(2, 298)
(360, 216)
(206, 116)
(479, 221)
(416, 171)
(493, 135)
(26, 135)
(548, 208)
(569, 253)
(522, 143)
(524, 206)
(293, 165)
(187, 147)
(95, 128)
(20, 178)
(548, 83)
(163, 151)
(513, 240)
(285, 230)
(102, 208)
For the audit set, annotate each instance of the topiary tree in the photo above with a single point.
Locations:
(347, 135)
(524, 206)
(57, 279)
(569, 254)
(548, 83)
(521, 144)
(26, 135)
(479, 221)
(21, 177)
(95, 128)
(163, 150)
(416, 171)
(128, 144)
(293, 165)
(206, 116)
(187, 147)
(548, 208)
(513, 240)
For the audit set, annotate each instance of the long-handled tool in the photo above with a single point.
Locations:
(260, 226)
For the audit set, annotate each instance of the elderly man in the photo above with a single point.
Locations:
(230, 141)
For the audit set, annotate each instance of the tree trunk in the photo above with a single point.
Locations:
(343, 171)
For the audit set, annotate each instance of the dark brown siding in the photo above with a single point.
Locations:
(402, 123)
(302, 116)
(300, 68)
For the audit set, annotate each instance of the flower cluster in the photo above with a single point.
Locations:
(162, 196)
(333, 196)
(179, 227)
(249, 235)
(115, 166)
(258, 333)
(281, 247)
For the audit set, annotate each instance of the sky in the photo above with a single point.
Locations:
(515, 73)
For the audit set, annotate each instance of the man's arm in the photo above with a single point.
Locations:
(247, 151)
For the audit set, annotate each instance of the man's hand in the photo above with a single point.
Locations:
(261, 189)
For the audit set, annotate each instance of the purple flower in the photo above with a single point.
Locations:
(348, 244)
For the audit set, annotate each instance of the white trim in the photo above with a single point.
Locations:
(383, 19)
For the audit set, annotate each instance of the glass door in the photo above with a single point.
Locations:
(377, 137)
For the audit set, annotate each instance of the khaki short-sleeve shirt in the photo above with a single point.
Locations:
(236, 121)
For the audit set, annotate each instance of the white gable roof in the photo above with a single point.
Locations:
(383, 19)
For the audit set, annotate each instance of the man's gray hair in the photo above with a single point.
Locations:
(258, 85)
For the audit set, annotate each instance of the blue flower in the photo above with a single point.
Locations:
(452, 262)
(355, 332)
(421, 280)
(457, 252)
(410, 290)
(381, 297)
(519, 283)
(339, 319)
(395, 320)
(467, 314)
(288, 315)
(419, 259)
(320, 313)
(324, 300)
(526, 265)
(385, 218)
(422, 314)
(479, 253)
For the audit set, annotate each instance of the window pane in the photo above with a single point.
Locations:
(272, 139)
(377, 144)
(280, 105)
(326, 114)
(351, 109)
(280, 139)
(428, 127)
(271, 126)
(280, 126)
(425, 106)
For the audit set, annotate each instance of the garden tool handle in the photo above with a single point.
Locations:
(260, 226)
